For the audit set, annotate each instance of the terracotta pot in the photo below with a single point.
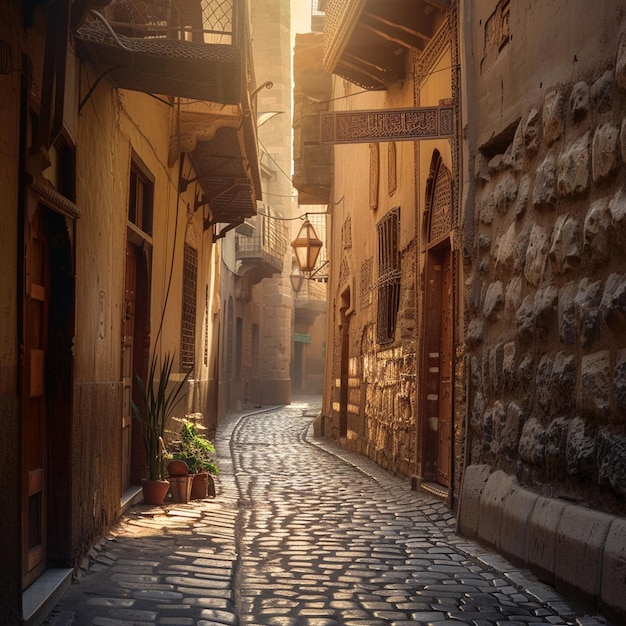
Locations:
(211, 486)
(154, 491)
(180, 488)
(177, 468)
(199, 487)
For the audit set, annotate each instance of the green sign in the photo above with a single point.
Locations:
(300, 338)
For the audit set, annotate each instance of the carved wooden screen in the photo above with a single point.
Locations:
(440, 199)
(374, 175)
(367, 273)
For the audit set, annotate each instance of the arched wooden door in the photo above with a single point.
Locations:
(437, 412)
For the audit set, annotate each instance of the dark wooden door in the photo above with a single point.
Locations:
(436, 421)
(128, 339)
(344, 375)
(33, 406)
(444, 454)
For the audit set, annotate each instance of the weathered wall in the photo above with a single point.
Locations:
(547, 286)
(545, 293)
(115, 126)
(381, 381)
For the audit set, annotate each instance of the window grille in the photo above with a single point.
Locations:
(441, 212)
(367, 282)
(188, 330)
(346, 234)
(388, 276)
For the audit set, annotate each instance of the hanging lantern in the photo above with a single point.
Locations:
(296, 279)
(306, 247)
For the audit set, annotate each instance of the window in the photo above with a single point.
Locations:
(388, 276)
(61, 173)
(188, 327)
(367, 274)
(140, 198)
(229, 338)
(239, 353)
(255, 350)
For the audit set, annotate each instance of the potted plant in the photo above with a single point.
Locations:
(156, 401)
(196, 451)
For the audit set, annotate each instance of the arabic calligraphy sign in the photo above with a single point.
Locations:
(388, 125)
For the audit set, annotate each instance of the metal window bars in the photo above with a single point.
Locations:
(388, 276)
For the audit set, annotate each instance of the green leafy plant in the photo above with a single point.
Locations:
(194, 449)
(157, 400)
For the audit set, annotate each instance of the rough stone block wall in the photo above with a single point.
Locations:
(389, 413)
(547, 298)
(389, 435)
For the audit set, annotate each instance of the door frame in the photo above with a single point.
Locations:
(142, 251)
(437, 237)
(56, 216)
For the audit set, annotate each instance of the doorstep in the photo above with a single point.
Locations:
(44, 594)
(130, 497)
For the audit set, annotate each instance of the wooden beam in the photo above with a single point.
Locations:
(372, 17)
(349, 68)
(403, 40)
(357, 59)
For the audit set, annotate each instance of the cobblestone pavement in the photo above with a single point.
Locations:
(302, 534)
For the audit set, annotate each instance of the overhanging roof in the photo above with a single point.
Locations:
(366, 41)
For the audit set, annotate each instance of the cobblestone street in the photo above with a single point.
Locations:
(302, 534)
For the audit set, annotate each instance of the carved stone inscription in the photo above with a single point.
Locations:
(390, 125)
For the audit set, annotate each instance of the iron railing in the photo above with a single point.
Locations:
(269, 240)
(200, 21)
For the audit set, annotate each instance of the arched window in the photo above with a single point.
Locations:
(438, 199)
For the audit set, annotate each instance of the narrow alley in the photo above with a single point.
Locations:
(301, 533)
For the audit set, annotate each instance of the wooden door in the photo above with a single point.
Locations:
(344, 375)
(436, 420)
(444, 448)
(128, 338)
(33, 406)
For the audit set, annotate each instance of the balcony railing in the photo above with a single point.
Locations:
(203, 21)
(199, 52)
(186, 48)
(268, 245)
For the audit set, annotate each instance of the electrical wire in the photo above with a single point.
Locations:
(275, 162)
(287, 219)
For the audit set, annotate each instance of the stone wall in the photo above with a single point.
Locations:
(547, 295)
(382, 383)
